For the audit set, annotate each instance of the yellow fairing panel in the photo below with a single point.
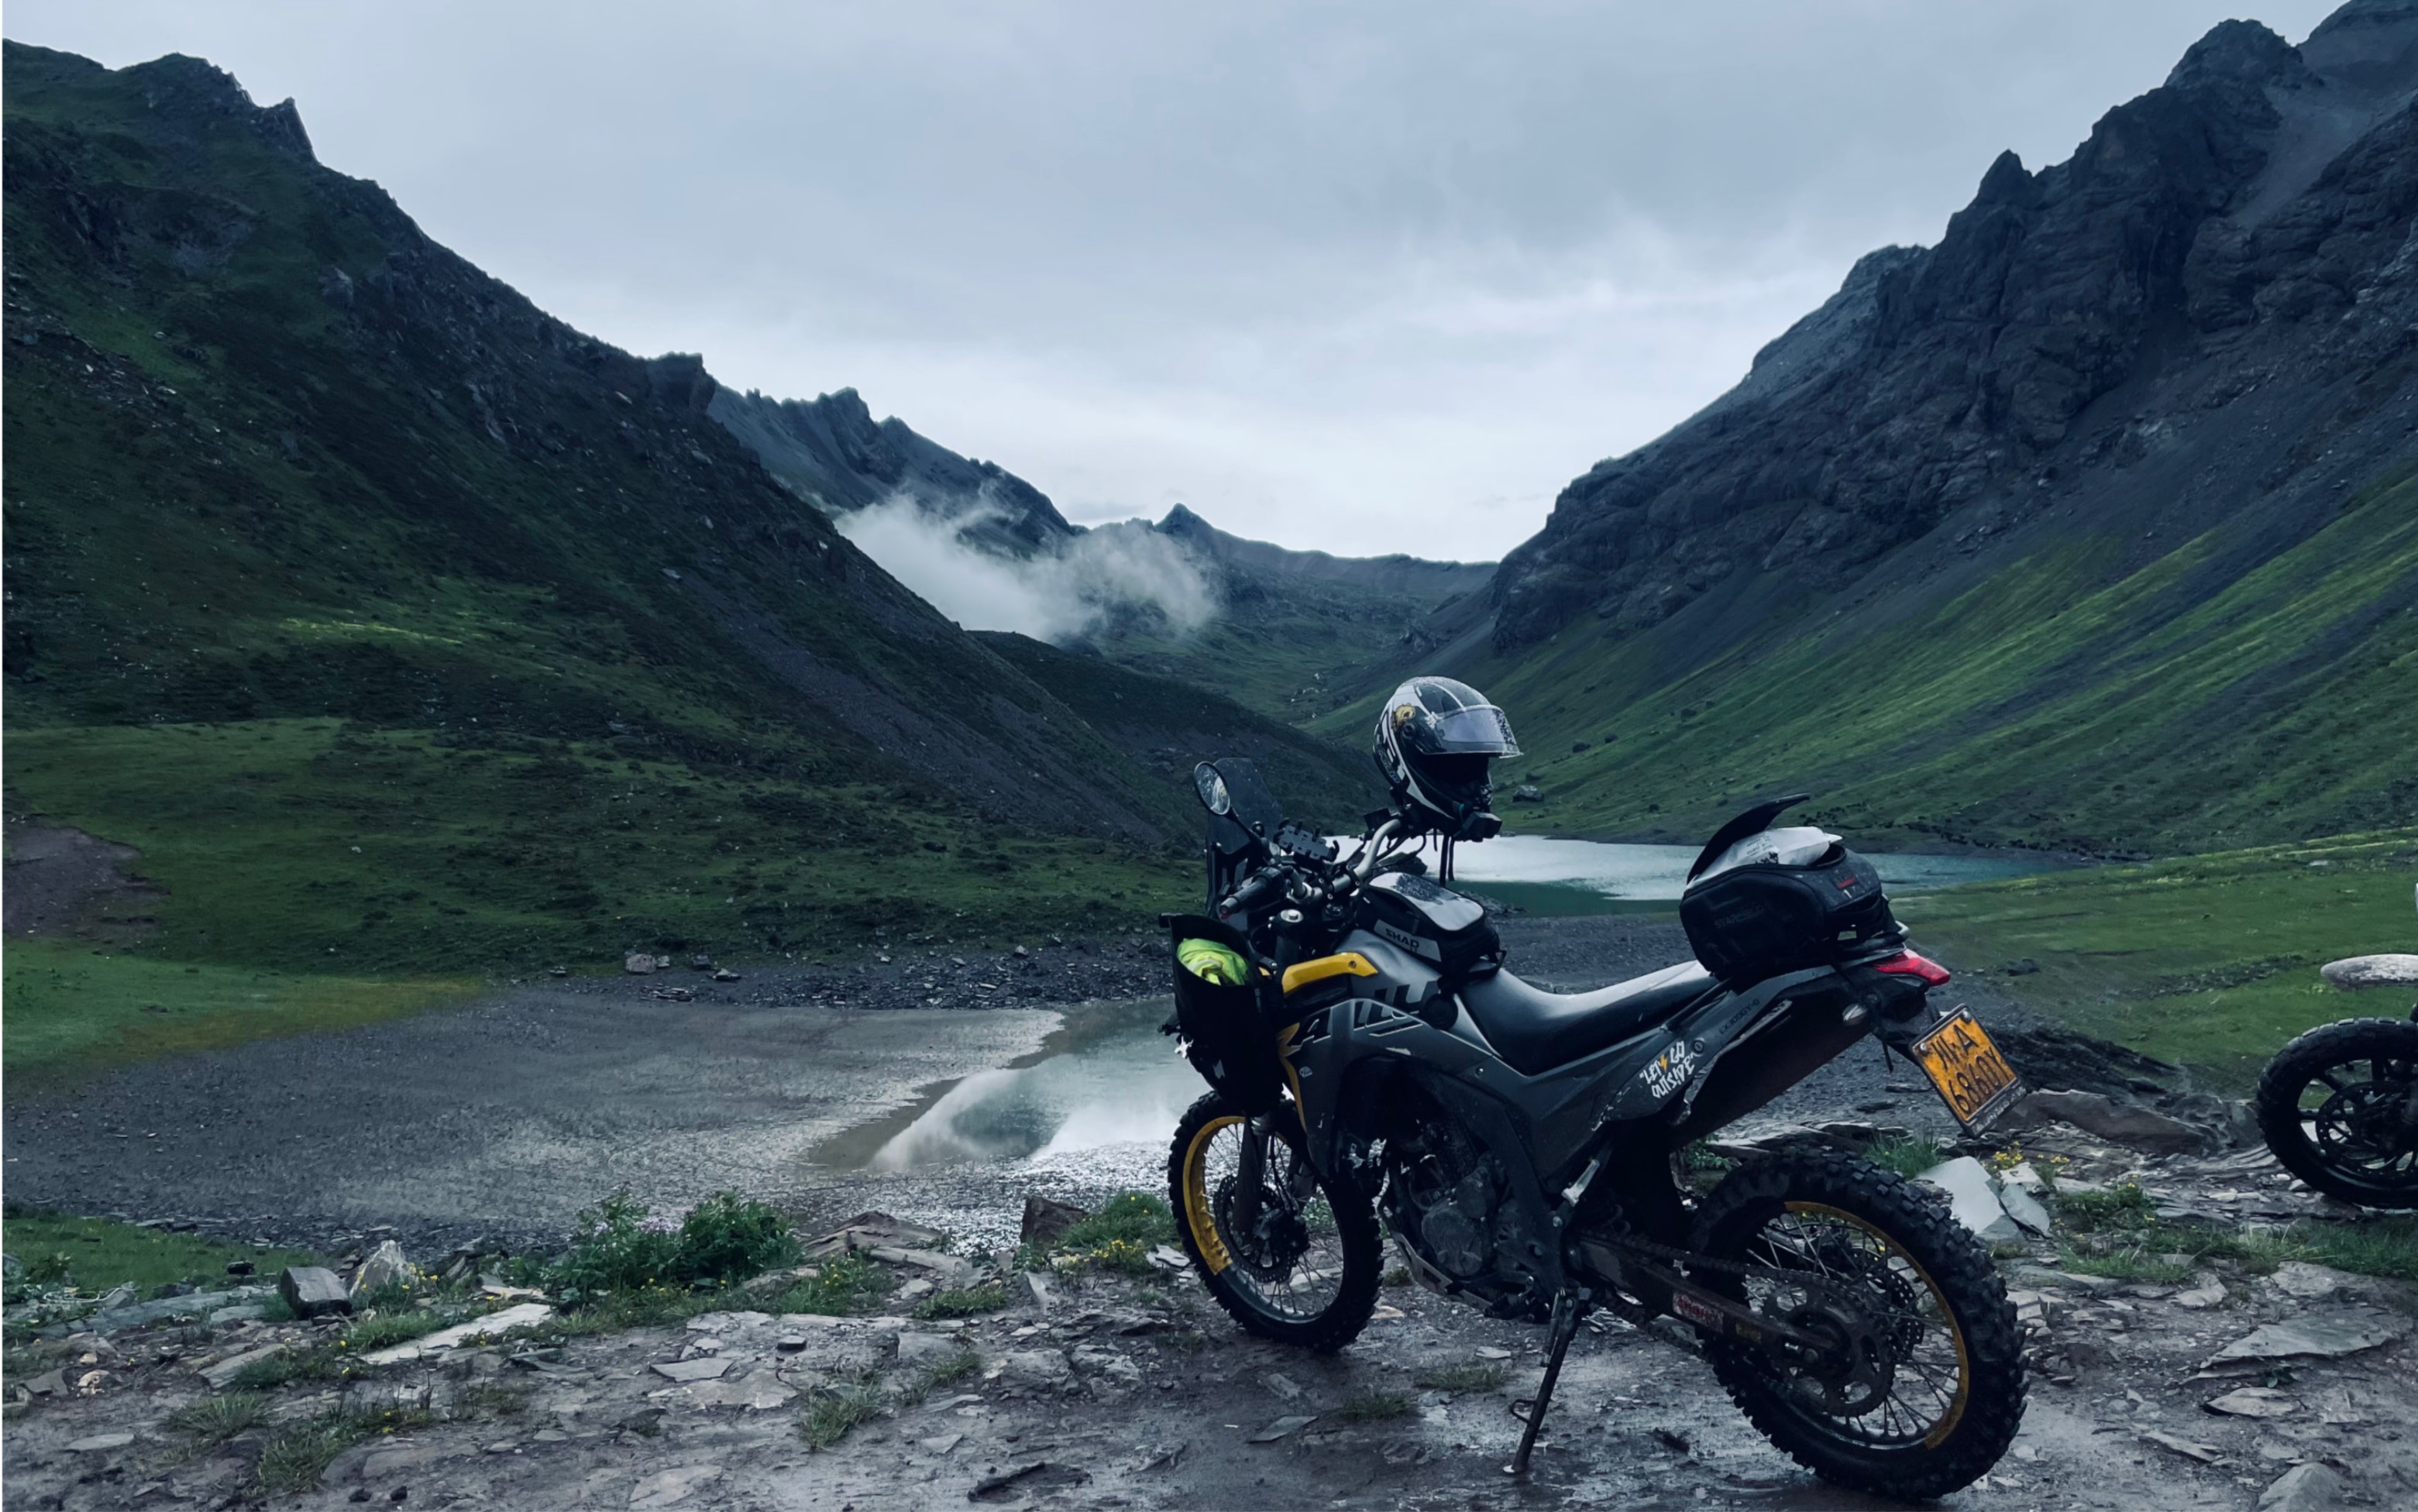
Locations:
(1350, 963)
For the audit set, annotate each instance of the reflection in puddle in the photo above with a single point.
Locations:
(1106, 1077)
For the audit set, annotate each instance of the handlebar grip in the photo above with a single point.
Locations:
(1250, 892)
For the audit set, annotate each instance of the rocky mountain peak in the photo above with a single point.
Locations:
(196, 89)
(2261, 188)
(2239, 51)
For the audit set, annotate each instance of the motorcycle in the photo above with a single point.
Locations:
(2339, 1105)
(1374, 1068)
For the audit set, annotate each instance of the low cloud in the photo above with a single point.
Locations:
(1110, 573)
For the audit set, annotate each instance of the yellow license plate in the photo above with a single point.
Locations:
(1973, 1078)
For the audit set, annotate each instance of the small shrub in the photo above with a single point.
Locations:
(946, 1372)
(834, 1410)
(1398, 1275)
(1467, 1376)
(49, 1269)
(843, 1285)
(1135, 1218)
(1909, 1158)
(216, 1419)
(962, 1301)
(729, 1238)
(1374, 1406)
(624, 1247)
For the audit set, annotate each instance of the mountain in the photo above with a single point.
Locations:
(830, 452)
(1168, 726)
(401, 626)
(1285, 631)
(2093, 525)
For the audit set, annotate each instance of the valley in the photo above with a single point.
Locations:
(456, 770)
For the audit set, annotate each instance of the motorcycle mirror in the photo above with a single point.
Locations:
(1212, 788)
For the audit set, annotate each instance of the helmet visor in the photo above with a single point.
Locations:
(1480, 729)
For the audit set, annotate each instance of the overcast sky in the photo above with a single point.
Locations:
(1360, 277)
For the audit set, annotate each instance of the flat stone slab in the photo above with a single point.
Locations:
(2362, 972)
(134, 1314)
(704, 1368)
(493, 1325)
(99, 1442)
(2327, 1335)
(1972, 1198)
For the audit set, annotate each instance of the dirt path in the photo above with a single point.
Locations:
(60, 879)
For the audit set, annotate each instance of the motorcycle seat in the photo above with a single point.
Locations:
(1536, 1031)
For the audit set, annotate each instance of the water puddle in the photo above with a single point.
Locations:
(1105, 1077)
(1581, 877)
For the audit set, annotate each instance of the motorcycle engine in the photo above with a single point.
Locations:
(1447, 1199)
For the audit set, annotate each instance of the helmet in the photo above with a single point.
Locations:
(1435, 740)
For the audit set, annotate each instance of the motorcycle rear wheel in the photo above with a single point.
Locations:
(1930, 1392)
(1307, 1274)
(2345, 1133)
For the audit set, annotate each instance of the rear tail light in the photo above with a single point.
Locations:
(1906, 963)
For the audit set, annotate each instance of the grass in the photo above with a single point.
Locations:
(219, 1419)
(1462, 1376)
(294, 1459)
(1908, 1157)
(834, 1410)
(74, 1009)
(2121, 1236)
(1120, 1236)
(844, 1284)
(318, 1361)
(947, 1372)
(381, 1330)
(2073, 699)
(2210, 961)
(323, 871)
(963, 1302)
(1373, 1407)
(101, 1253)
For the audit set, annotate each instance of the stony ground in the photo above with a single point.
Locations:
(1115, 1391)
(1104, 1391)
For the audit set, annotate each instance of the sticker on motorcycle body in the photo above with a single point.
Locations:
(1669, 1072)
(1694, 1311)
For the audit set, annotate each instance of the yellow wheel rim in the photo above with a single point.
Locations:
(1196, 1196)
(1955, 1411)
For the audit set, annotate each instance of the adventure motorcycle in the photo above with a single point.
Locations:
(1372, 1064)
(2339, 1105)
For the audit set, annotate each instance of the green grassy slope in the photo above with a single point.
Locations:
(2154, 714)
(318, 538)
(2208, 961)
(1291, 650)
(1168, 726)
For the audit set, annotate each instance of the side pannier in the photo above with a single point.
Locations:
(1225, 1023)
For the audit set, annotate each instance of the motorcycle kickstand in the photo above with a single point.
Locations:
(1564, 1326)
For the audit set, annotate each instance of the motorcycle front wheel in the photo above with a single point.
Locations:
(1919, 1386)
(1290, 1256)
(2339, 1107)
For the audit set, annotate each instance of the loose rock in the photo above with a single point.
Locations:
(313, 1292)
